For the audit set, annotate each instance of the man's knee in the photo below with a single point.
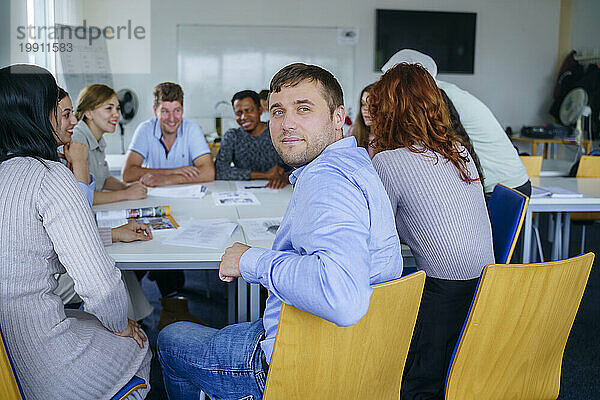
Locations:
(182, 337)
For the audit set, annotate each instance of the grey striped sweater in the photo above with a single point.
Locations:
(442, 219)
(45, 224)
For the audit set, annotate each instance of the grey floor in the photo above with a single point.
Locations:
(581, 362)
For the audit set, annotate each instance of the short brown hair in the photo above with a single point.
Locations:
(293, 74)
(91, 97)
(167, 91)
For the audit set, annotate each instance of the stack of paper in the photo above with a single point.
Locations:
(554, 192)
(196, 191)
(234, 199)
(206, 234)
(260, 228)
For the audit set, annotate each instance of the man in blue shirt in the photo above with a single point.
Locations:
(168, 149)
(337, 238)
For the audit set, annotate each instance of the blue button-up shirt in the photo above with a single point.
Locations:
(88, 190)
(337, 237)
(189, 145)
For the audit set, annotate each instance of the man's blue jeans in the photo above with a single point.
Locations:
(225, 364)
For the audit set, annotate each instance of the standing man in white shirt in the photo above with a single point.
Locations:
(499, 159)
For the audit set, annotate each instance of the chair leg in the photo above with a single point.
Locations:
(538, 240)
(582, 239)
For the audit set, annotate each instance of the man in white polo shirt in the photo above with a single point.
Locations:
(168, 149)
(500, 161)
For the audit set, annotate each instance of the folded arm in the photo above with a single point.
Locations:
(203, 170)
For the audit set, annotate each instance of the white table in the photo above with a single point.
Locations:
(156, 255)
(589, 187)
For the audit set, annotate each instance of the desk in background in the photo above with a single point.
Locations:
(562, 207)
(545, 142)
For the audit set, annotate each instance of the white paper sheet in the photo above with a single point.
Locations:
(260, 228)
(196, 191)
(207, 234)
(553, 191)
(234, 199)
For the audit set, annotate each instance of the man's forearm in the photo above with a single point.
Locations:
(258, 175)
(204, 176)
(134, 173)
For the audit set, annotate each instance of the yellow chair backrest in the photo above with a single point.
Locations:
(314, 358)
(589, 167)
(513, 342)
(9, 389)
(533, 165)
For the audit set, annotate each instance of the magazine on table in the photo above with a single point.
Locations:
(157, 218)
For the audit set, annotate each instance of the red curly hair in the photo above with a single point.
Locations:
(408, 110)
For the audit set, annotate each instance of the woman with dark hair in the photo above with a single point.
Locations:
(361, 128)
(76, 155)
(47, 228)
(438, 199)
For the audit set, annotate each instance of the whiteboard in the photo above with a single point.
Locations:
(215, 62)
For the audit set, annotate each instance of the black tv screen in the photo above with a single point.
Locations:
(448, 37)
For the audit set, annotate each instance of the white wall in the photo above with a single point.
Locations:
(515, 56)
(585, 24)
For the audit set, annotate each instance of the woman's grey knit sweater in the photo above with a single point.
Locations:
(443, 219)
(46, 226)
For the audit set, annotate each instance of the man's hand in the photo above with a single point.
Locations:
(189, 171)
(153, 180)
(277, 177)
(133, 331)
(136, 191)
(131, 232)
(230, 262)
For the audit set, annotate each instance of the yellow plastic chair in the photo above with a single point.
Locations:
(514, 338)
(533, 165)
(10, 389)
(589, 167)
(314, 358)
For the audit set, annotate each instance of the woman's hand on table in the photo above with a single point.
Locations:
(136, 191)
(131, 232)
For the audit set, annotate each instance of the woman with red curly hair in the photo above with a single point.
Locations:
(438, 200)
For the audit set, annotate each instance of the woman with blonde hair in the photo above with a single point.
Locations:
(98, 113)
(437, 196)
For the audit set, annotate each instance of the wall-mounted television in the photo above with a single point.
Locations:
(448, 37)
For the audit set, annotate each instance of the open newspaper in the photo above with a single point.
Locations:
(157, 218)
